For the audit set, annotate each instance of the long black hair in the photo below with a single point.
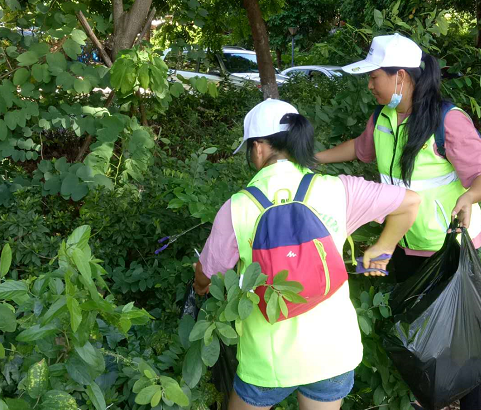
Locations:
(297, 142)
(425, 113)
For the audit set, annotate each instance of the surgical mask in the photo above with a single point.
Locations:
(396, 98)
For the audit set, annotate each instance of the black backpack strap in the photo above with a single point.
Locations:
(439, 135)
(303, 187)
(257, 195)
(375, 115)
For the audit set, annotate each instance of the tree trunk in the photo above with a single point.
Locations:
(261, 45)
(127, 25)
(478, 21)
(279, 59)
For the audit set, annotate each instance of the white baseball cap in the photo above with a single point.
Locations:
(388, 51)
(264, 119)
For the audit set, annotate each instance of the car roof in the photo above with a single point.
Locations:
(237, 50)
(314, 67)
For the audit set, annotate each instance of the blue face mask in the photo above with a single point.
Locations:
(396, 98)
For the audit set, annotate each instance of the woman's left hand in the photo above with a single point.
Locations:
(462, 210)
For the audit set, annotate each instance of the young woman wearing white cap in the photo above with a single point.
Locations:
(406, 83)
(316, 351)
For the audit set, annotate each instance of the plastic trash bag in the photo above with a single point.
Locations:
(435, 342)
(189, 304)
(223, 372)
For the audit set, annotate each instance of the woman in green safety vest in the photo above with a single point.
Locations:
(316, 351)
(420, 144)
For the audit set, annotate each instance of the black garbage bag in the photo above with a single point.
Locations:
(223, 372)
(435, 342)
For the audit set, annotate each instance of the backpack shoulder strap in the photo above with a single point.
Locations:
(258, 197)
(439, 135)
(377, 112)
(304, 187)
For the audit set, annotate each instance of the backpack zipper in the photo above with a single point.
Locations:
(323, 255)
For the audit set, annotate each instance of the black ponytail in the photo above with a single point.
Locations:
(426, 111)
(297, 143)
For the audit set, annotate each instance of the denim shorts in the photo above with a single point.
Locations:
(332, 389)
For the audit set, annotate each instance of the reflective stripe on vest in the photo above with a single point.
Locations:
(421, 184)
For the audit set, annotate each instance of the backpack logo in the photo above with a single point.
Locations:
(292, 237)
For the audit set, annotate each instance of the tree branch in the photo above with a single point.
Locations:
(85, 24)
(147, 26)
(118, 6)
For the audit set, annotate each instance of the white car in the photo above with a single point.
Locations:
(311, 71)
(236, 64)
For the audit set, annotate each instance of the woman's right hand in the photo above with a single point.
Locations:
(372, 253)
(342, 153)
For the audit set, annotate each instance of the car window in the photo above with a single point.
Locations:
(209, 65)
(180, 61)
(318, 74)
(240, 62)
(298, 71)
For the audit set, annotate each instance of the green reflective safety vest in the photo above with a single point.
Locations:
(316, 345)
(434, 179)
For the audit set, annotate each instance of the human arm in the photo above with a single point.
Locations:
(463, 147)
(397, 224)
(361, 148)
(220, 252)
(464, 204)
(370, 201)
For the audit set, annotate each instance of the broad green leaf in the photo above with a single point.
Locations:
(3, 130)
(283, 307)
(37, 379)
(210, 353)
(210, 150)
(245, 307)
(231, 311)
(123, 75)
(173, 392)
(2, 356)
(36, 332)
(82, 86)
(140, 384)
(146, 394)
(231, 279)
(80, 237)
(216, 291)
(56, 63)
(40, 49)
(26, 59)
(72, 49)
(250, 276)
(83, 265)
(213, 90)
(199, 330)
(175, 203)
(103, 180)
(156, 399)
(201, 85)
(58, 400)
(88, 353)
(5, 258)
(96, 396)
(75, 313)
(378, 17)
(17, 404)
(273, 310)
(11, 289)
(379, 396)
(177, 89)
(378, 299)
(192, 366)
(143, 75)
(364, 324)
(406, 403)
(226, 330)
(185, 327)
(13, 5)
(21, 76)
(79, 37)
(280, 277)
(78, 370)
(8, 322)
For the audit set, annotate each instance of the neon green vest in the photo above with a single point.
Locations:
(433, 178)
(291, 352)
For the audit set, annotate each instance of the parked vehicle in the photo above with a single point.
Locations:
(236, 64)
(312, 71)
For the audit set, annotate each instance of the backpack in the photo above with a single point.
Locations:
(439, 135)
(291, 236)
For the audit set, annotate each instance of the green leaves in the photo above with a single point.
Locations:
(56, 63)
(36, 332)
(193, 365)
(9, 321)
(198, 331)
(96, 396)
(26, 59)
(173, 392)
(12, 289)
(210, 353)
(146, 394)
(123, 75)
(251, 276)
(71, 48)
(5, 259)
(75, 313)
(21, 76)
(37, 379)
(58, 400)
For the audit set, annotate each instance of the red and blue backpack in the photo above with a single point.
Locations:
(291, 236)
